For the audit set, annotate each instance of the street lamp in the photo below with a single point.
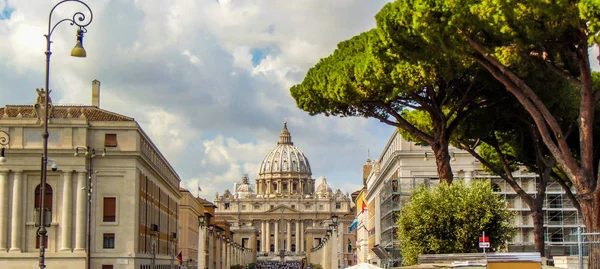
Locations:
(90, 154)
(4, 140)
(201, 221)
(79, 19)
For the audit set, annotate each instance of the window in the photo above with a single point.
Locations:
(349, 248)
(37, 241)
(107, 266)
(47, 205)
(338, 205)
(285, 186)
(258, 244)
(256, 206)
(274, 186)
(110, 209)
(227, 205)
(294, 206)
(272, 248)
(243, 207)
(293, 247)
(321, 207)
(110, 140)
(272, 206)
(307, 206)
(109, 241)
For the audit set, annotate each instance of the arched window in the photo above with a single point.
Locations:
(47, 197)
(350, 248)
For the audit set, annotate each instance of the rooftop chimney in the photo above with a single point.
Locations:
(96, 93)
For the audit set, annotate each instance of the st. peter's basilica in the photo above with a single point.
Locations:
(286, 217)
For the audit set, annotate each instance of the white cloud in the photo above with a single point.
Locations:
(183, 70)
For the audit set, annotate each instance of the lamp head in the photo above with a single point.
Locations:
(78, 50)
(334, 219)
(201, 220)
(104, 152)
(426, 157)
(2, 158)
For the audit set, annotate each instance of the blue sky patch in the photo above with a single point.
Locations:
(6, 12)
(258, 55)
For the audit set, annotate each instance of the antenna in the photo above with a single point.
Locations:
(368, 153)
(199, 189)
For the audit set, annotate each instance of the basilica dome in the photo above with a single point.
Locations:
(285, 158)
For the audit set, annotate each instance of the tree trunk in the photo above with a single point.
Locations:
(591, 217)
(442, 161)
(538, 228)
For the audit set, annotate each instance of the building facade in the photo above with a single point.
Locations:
(134, 191)
(288, 215)
(190, 208)
(404, 166)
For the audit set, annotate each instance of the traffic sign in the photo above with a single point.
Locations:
(484, 244)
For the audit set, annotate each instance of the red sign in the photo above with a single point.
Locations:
(484, 239)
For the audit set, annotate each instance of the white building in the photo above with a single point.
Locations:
(403, 166)
(286, 212)
(134, 199)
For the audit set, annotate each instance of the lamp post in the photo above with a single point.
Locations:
(201, 241)
(4, 141)
(79, 19)
(90, 154)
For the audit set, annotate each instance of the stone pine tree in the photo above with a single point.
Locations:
(557, 34)
(450, 219)
(361, 79)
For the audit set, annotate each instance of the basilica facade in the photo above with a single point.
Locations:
(285, 215)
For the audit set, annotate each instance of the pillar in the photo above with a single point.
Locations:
(227, 255)
(80, 214)
(268, 237)
(298, 246)
(17, 234)
(263, 236)
(66, 225)
(276, 236)
(217, 248)
(202, 248)
(224, 254)
(3, 210)
(468, 177)
(288, 242)
(253, 245)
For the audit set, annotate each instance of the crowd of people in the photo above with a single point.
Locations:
(278, 265)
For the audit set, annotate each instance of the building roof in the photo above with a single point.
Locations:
(63, 111)
(206, 203)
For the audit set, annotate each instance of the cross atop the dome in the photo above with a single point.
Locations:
(285, 137)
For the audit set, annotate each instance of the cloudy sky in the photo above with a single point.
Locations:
(207, 80)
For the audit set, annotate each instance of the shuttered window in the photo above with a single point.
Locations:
(110, 209)
(110, 140)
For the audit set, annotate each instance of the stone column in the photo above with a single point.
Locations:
(302, 236)
(276, 236)
(468, 177)
(298, 246)
(224, 254)
(262, 235)
(66, 224)
(202, 248)
(227, 255)
(4, 210)
(80, 229)
(268, 237)
(288, 245)
(253, 245)
(217, 253)
(17, 234)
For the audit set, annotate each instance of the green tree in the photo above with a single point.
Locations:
(557, 34)
(450, 219)
(360, 79)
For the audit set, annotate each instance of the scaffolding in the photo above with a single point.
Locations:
(395, 194)
(561, 218)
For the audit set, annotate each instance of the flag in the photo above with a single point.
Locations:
(354, 225)
(180, 258)
(364, 205)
